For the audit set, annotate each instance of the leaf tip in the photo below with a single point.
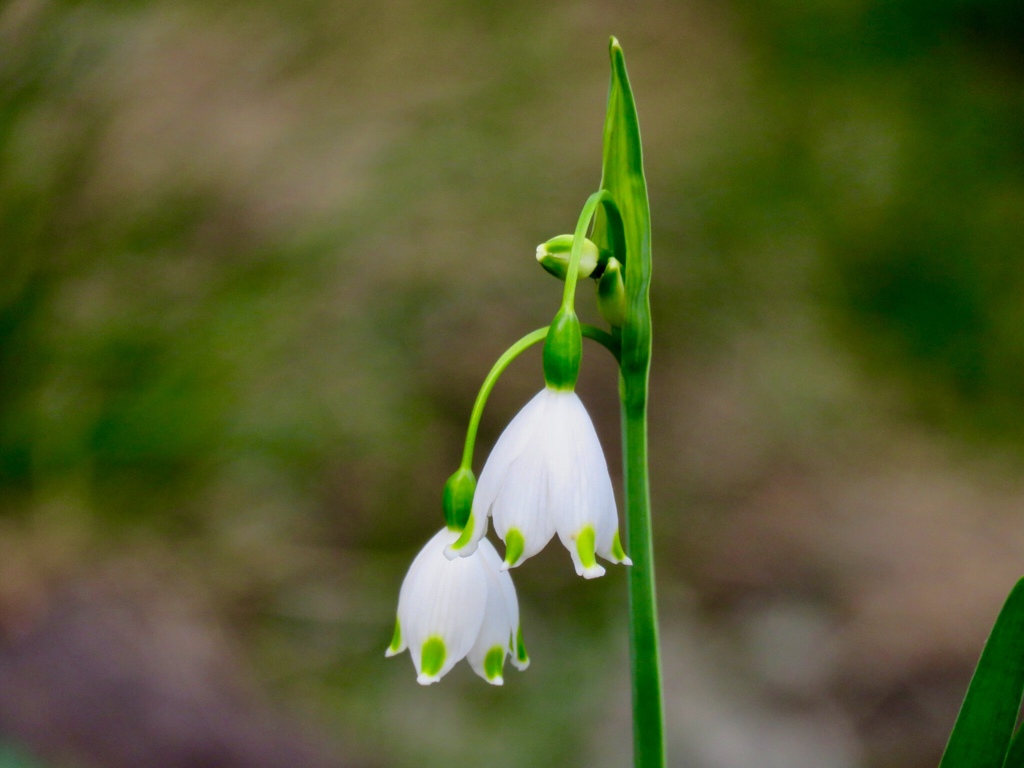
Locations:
(618, 58)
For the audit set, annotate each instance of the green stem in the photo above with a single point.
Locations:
(582, 224)
(627, 226)
(648, 723)
(603, 338)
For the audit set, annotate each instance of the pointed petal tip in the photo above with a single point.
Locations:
(452, 552)
(390, 652)
(425, 679)
(515, 545)
(618, 554)
(499, 680)
(521, 664)
(593, 572)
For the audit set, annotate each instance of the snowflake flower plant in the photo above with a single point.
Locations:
(547, 474)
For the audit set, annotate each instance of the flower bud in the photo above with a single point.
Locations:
(563, 350)
(554, 256)
(611, 294)
(458, 498)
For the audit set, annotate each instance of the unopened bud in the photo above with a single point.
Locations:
(554, 256)
(611, 294)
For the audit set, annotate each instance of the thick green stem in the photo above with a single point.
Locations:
(626, 227)
(648, 722)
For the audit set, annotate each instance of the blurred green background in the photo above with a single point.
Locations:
(256, 258)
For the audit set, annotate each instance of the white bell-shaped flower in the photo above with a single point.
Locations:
(451, 609)
(547, 474)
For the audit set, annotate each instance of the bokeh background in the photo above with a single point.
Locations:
(256, 258)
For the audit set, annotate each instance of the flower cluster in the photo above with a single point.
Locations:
(547, 475)
(451, 610)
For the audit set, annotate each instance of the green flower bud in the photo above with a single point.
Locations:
(611, 294)
(458, 498)
(554, 256)
(563, 349)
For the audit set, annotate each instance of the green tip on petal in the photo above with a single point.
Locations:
(618, 552)
(587, 566)
(467, 534)
(515, 544)
(494, 664)
(396, 640)
(585, 546)
(432, 657)
(521, 656)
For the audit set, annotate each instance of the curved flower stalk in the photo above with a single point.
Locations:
(547, 474)
(454, 609)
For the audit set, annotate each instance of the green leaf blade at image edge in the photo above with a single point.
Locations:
(1015, 755)
(981, 737)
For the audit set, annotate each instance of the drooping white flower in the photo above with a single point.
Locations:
(450, 609)
(547, 474)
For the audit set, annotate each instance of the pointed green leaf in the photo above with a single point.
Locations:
(984, 727)
(622, 174)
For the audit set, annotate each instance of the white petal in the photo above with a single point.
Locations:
(520, 512)
(492, 564)
(501, 622)
(509, 447)
(487, 656)
(442, 601)
(585, 503)
(508, 591)
(466, 543)
(513, 483)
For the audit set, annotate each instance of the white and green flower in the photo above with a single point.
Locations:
(547, 474)
(451, 609)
